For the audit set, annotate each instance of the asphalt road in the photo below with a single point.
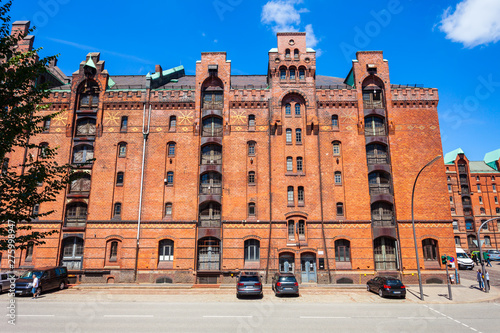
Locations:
(493, 271)
(250, 315)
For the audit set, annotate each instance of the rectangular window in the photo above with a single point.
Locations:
(283, 74)
(170, 178)
(449, 188)
(338, 178)
(496, 200)
(46, 126)
(451, 200)
(292, 74)
(481, 200)
(124, 124)
(299, 164)
(455, 225)
(494, 187)
(298, 135)
(29, 253)
(291, 229)
(290, 194)
(113, 251)
(302, 229)
(300, 194)
(478, 188)
(288, 135)
(289, 164)
(302, 74)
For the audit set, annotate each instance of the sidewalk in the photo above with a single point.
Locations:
(466, 292)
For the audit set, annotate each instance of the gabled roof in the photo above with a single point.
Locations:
(491, 158)
(481, 167)
(450, 157)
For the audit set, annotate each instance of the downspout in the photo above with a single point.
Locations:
(321, 206)
(270, 192)
(145, 133)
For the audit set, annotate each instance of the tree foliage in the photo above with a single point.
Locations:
(38, 178)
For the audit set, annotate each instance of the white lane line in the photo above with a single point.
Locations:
(128, 316)
(453, 319)
(422, 318)
(306, 317)
(227, 316)
(24, 315)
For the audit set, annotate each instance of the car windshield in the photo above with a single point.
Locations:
(394, 282)
(249, 278)
(462, 255)
(29, 275)
(287, 279)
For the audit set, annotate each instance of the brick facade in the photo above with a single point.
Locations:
(285, 171)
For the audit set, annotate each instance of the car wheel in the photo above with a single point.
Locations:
(368, 288)
(238, 296)
(62, 285)
(380, 293)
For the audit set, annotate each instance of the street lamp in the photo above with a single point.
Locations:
(486, 287)
(413, 224)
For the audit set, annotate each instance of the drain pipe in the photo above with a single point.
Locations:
(145, 133)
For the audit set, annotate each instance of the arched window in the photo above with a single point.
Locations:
(122, 149)
(336, 148)
(376, 154)
(83, 154)
(171, 149)
(166, 250)
(251, 177)
(212, 127)
(81, 184)
(291, 229)
(487, 240)
(448, 178)
(374, 126)
(113, 251)
(252, 250)
(168, 209)
(124, 124)
(290, 195)
(338, 178)
(292, 73)
(85, 127)
(342, 250)
(298, 135)
(117, 212)
(36, 211)
(251, 148)
(296, 54)
(430, 249)
(340, 209)
(287, 54)
(302, 73)
(297, 109)
(335, 121)
(382, 214)
(288, 135)
(300, 194)
(89, 96)
(119, 178)
(299, 164)
(289, 163)
(43, 149)
(211, 154)
(29, 252)
(485, 225)
(251, 209)
(301, 229)
(172, 123)
(288, 109)
(283, 73)
(76, 213)
(251, 121)
(72, 253)
(482, 210)
(457, 241)
(170, 178)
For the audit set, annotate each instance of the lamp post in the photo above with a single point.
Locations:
(486, 287)
(413, 224)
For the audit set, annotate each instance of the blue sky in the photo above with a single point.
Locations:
(448, 44)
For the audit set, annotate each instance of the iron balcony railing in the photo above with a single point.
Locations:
(382, 220)
(75, 222)
(377, 159)
(377, 131)
(208, 160)
(209, 222)
(376, 189)
(212, 132)
(210, 189)
(373, 104)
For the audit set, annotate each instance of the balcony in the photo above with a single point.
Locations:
(375, 131)
(212, 132)
(209, 222)
(210, 189)
(377, 189)
(211, 160)
(373, 104)
(75, 222)
(385, 220)
(377, 159)
(462, 169)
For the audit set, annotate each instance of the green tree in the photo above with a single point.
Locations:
(39, 177)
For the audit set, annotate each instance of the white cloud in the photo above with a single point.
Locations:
(284, 16)
(474, 22)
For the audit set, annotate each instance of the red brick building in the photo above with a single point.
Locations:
(197, 177)
(474, 198)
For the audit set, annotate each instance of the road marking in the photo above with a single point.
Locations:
(306, 317)
(227, 316)
(453, 319)
(129, 316)
(24, 315)
(423, 318)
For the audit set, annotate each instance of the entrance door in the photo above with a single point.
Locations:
(385, 254)
(286, 262)
(72, 253)
(209, 254)
(308, 267)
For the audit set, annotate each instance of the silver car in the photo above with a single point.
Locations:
(5, 279)
(494, 254)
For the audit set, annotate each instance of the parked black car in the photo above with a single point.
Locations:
(48, 278)
(387, 286)
(285, 283)
(249, 283)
